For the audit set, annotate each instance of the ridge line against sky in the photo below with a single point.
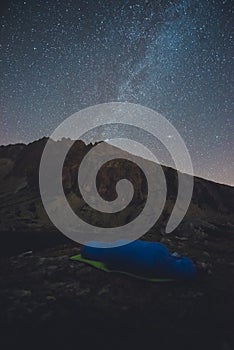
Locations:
(163, 164)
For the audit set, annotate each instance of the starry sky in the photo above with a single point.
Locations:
(176, 57)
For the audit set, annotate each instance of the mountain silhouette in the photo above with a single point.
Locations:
(22, 210)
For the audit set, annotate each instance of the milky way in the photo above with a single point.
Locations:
(58, 57)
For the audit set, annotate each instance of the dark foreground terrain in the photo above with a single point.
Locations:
(50, 302)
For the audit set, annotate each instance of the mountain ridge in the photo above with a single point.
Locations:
(21, 207)
(46, 138)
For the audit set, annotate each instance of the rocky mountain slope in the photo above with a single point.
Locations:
(21, 208)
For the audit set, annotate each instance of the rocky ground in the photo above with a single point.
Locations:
(49, 302)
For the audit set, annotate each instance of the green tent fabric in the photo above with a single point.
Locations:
(101, 266)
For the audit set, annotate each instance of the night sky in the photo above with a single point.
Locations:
(58, 57)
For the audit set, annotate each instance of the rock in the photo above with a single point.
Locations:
(22, 255)
(50, 298)
(206, 254)
(22, 293)
(181, 238)
(84, 291)
(104, 290)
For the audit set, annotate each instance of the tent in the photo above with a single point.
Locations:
(149, 260)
